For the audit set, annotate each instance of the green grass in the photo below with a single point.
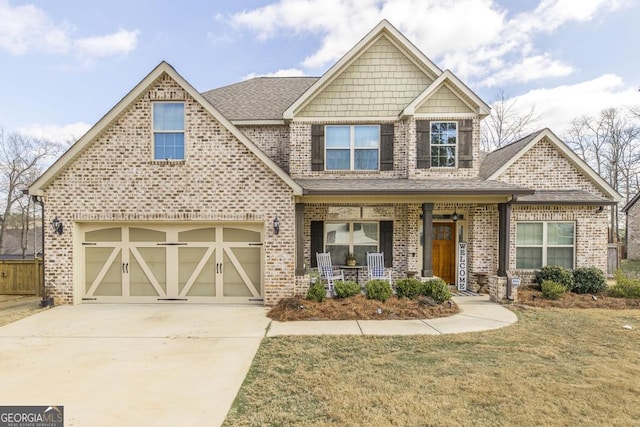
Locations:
(553, 367)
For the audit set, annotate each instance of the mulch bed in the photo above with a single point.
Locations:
(533, 298)
(359, 308)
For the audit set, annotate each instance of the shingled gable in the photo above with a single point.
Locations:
(384, 28)
(497, 162)
(447, 78)
(37, 188)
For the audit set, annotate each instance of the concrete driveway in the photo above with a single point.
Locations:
(126, 365)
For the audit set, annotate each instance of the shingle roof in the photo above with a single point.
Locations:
(262, 98)
(408, 186)
(563, 197)
(496, 159)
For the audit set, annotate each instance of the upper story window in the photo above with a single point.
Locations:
(352, 147)
(444, 142)
(168, 131)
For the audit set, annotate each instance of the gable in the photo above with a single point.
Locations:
(148, 87)
(379, 83)
(543, 167)
(444, 100)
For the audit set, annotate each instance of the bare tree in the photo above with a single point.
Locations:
(21, 160)
(506, 124)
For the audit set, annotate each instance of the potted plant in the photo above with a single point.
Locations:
(351, 259)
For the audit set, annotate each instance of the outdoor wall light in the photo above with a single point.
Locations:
(57, 225)
(276, 225)
(454, 217)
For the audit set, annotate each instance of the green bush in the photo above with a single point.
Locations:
(552, 290)
(588, 280)
(408, 288)
(625, 287)
(346, 289)
(317, 292)
(557, 274)
(437, 289)
(379, 290)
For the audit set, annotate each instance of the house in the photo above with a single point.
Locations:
(632, 210)
(227, 195)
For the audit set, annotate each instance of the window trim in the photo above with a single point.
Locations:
(168, 131)
(350, 223)
(455, 146)
(352, 148)
(545, 245)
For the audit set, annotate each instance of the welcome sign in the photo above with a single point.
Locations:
(461, 266)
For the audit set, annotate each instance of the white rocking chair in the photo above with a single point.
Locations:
(327, 273)
(375, 265)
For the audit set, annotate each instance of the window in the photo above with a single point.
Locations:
(168, 131)
(545, 243)
(352, 147)
(357, 238)
(444, 138)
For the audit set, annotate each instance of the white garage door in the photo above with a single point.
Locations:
(159, 262)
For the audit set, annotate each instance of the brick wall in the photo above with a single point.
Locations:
(115, 179)
(633, 232)
(273, 140)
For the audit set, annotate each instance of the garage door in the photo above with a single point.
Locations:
(195, 263)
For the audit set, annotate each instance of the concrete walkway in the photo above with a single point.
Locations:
(476, 314)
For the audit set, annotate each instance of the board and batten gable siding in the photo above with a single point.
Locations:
(443, 101)
(115, 180)
(379, 83)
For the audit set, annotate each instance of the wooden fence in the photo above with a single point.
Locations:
(21, 277)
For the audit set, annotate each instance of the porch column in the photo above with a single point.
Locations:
(299, 239)
(427, 246)
(504, 232)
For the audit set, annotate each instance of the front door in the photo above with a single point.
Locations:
(444, 251)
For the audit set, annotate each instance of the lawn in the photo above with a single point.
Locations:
(553, 367)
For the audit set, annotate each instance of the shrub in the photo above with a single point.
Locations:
(408, 288)
(346, 289)
(588, 280)
(552, 290)
(625, 287)
(557, 274)
(437, 289)
(379, 290)
(317, 292)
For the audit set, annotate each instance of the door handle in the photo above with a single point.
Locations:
(125, 267)
(219, 267)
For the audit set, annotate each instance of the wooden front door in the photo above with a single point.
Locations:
(444, 251)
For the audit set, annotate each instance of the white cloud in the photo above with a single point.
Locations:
(530, 68)
(289, 72)
(121, 42)
(28, 28)
(558, 106)
(60, 135)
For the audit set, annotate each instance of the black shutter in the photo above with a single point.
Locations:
(465, 143)
(317, 240)
(386, 242)
(317, 148)
(423, 149)
(386, 147)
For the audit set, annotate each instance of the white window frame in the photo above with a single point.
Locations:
(351, 231)
(455, 146)
(176, 131)
(352, 148)
(545, 245)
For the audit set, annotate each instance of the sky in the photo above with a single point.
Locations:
(66, 63)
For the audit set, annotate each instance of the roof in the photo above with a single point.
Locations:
(262, 98)
(37, 188)
(496, 159)
(631, 203)
(355, 186)
(497, 162)
(563, 197)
